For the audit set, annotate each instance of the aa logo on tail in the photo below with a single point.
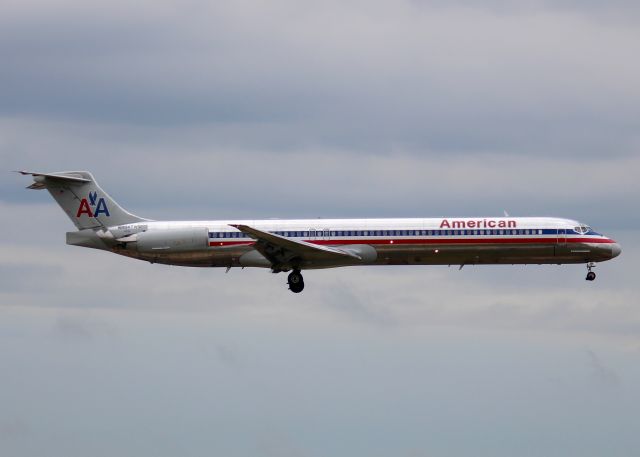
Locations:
(98, 204)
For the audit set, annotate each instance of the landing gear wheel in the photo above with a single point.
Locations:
(295, 281)
(590, 276)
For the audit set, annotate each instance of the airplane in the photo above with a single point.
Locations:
(307, 244)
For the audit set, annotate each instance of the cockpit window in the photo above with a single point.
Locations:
(582, 229)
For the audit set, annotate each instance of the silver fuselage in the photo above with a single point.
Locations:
(433, 241)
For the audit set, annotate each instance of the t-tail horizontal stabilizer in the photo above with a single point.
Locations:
(84, 201)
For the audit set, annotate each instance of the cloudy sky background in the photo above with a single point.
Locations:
(203, 110)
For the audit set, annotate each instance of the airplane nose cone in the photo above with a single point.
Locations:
(615, 250)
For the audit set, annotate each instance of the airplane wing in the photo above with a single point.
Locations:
(282, 251)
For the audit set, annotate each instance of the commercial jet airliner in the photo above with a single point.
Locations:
(305, 244)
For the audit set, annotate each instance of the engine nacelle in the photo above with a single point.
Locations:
(172, 240)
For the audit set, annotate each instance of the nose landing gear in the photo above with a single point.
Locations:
(295, 281)
(590, 274)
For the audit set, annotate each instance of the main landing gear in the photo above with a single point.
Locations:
(590, 274)
(295, 281)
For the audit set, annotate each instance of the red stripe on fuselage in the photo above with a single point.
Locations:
(431, 241)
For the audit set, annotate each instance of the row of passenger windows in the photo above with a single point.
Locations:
(344, 233)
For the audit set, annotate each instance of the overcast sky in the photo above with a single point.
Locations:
(247, 109)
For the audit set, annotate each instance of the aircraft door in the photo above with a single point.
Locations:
(326, 234)
(312, 234)
(562, 237)
(561, 244)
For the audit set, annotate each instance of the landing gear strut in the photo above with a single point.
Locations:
(590, 274)
(295, 281)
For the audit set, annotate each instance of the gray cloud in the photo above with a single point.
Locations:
(370, 77)
(232, 182)
(12, 429)
(600, 372)
(335, 109)
(396, 105)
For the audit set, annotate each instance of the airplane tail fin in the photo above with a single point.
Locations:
(84, 201)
